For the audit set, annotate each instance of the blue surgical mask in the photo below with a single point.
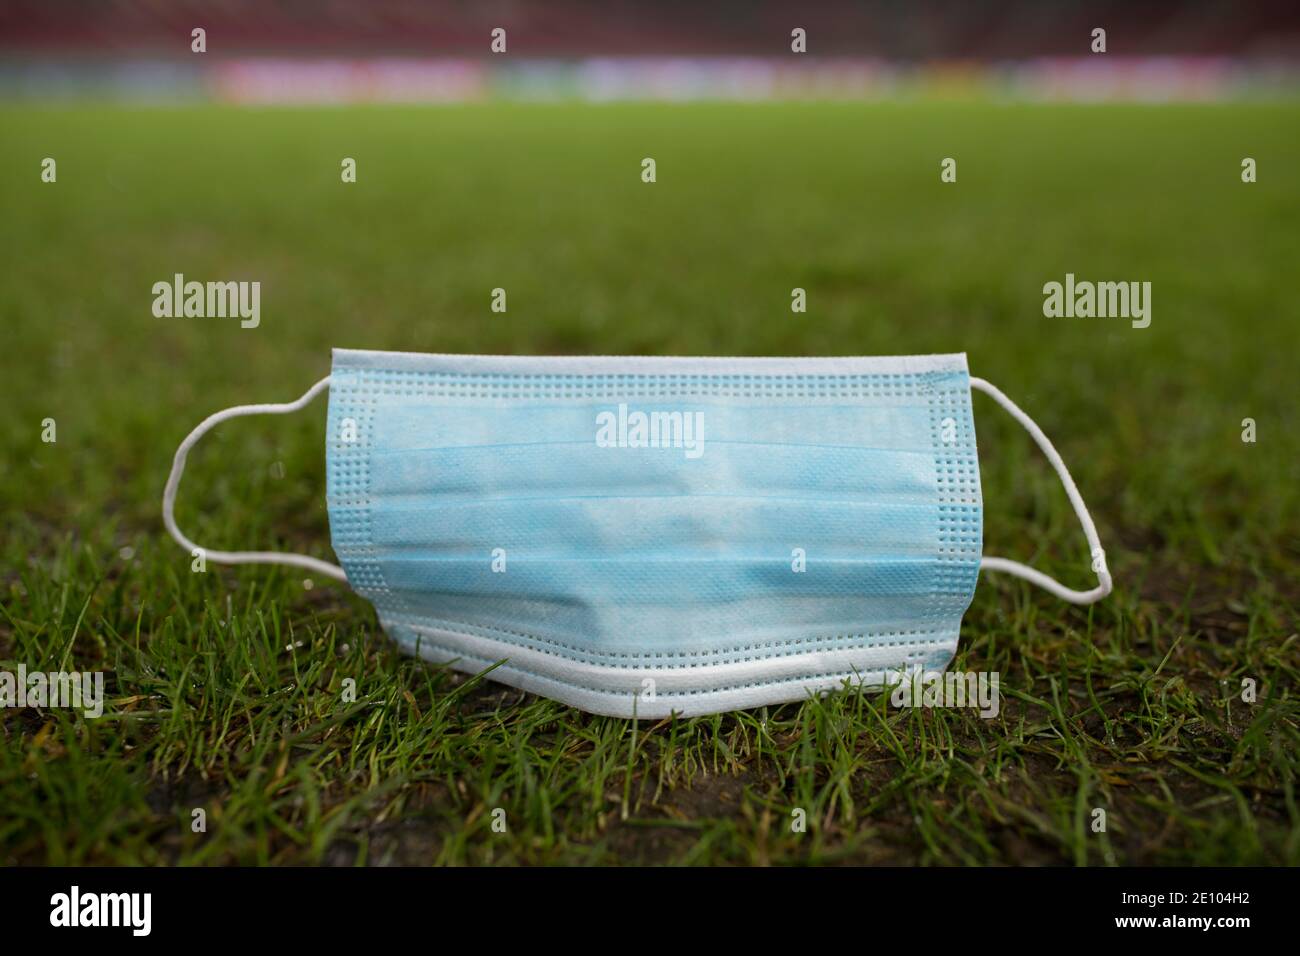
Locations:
(648, 536)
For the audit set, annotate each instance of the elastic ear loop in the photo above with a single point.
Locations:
(1089, 529)
(240, 557)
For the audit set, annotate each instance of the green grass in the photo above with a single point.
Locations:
(226, 687)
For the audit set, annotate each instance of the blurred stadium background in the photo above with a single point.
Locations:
(399, 51)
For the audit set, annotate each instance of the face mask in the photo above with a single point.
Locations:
(648, 536)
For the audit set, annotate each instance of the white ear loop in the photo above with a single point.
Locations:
(1089, 529)
(240, 557)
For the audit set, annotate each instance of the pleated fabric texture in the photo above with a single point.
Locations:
(825, 527)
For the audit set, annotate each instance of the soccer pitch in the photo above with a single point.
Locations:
(225, 689)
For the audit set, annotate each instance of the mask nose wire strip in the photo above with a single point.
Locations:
(240, 557)
(1089, 529)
